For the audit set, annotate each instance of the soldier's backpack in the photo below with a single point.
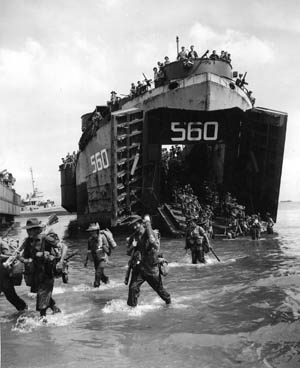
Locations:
(110, 240)
(163, 265)
(156, 234)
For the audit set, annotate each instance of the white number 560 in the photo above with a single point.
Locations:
(99, 161)
(194, 131)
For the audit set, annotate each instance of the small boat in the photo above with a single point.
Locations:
(36, 204)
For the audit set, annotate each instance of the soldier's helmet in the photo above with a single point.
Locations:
(33, 223)
(94, 226)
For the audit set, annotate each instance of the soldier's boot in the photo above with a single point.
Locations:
(104, 279)
(43, 317)
(97, 280)
(55, 309)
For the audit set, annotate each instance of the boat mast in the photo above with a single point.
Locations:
(32, 180)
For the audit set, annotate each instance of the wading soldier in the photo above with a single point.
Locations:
(197, 241)
(6, 280)
(147, 268)
(100, 244)
(270, 223)
(43, 256)
(255, 227)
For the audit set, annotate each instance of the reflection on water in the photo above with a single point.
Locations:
(241, 312)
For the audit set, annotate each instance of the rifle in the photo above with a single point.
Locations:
(12, 258)
(244, 79)
(201, 59)
(52, 219)
(64, 271)
(8, 231)
(213, 252)
(148, 81)
(71, 255)
(134, 260)
(128, 273)
(86, 259)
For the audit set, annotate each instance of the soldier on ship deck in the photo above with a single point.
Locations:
(182, 55)
(167, 60)
(192, 53)
(132, 90)
(214, 55)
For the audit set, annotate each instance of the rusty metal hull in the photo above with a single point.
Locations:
(118, 170)
(10, 204)
(204, 92)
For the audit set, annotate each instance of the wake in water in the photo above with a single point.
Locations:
(120, 307)
(186, 261)
(30, 320)
(289, 309)
(241, 312)
(86, 288)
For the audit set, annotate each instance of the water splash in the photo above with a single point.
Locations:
(27, 322)
(280, 281)
(120, 306)
(5, 319)
(186, 261)
(30, 321)
(202, 295)
(289, 309)
(87, 288)
(59, 290)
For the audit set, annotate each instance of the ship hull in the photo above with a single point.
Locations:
(10, 205)
(238, 147)
(204, 92)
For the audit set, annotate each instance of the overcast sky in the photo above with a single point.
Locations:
(61, 58)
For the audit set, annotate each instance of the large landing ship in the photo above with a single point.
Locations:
(200, 105)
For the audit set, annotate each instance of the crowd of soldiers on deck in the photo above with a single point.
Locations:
(140, 88)
(184, 55)
(70, 159)
(187, 57)
(7, 178)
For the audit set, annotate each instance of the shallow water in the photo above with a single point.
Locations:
(241, 312)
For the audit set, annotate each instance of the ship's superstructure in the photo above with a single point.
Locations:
(10, 201)
(202, 106)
